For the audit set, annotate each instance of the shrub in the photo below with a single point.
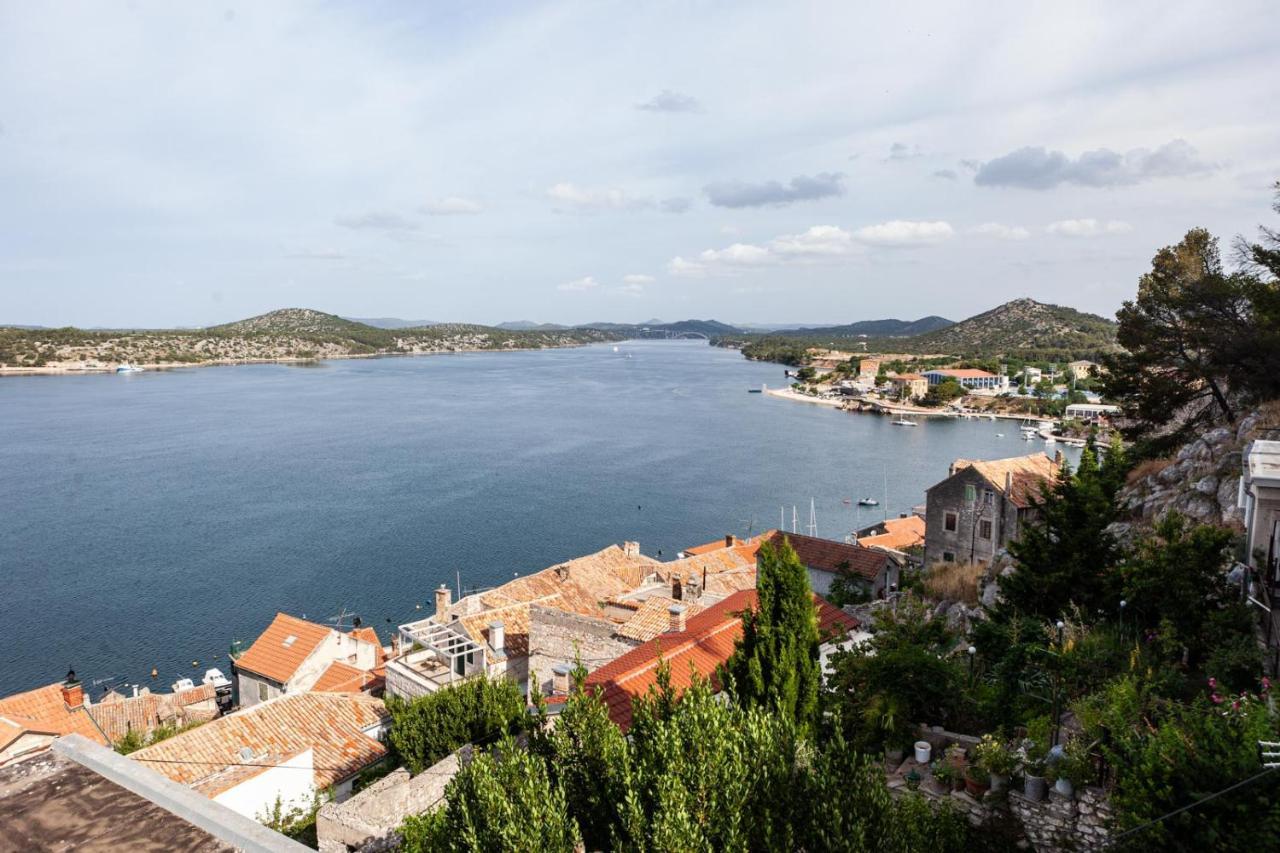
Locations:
(953, 582)
(430, 727)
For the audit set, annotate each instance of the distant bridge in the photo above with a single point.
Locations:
(671, 335)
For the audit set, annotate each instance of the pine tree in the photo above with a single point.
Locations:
(1065, 555)
(776, 663)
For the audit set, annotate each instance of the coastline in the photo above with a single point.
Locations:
(71, 370)
(788, 394)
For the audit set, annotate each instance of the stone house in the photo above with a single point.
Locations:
(982, 505)
(293, 654)
(909, 386)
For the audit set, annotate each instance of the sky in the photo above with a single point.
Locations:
(185, 164)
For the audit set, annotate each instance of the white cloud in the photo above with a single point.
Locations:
(820, 240)
(903, 232)
(678, 266)
(668, 101)
(451, 206)
(1000, 231)
(738, 255)
(1087, 228)
(377, 220)
(638, 279)
(316, 255)
(594, 198)
(579, 285)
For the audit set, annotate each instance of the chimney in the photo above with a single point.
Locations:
(560, 679)
(631, 549)
(1008, 482)
(677, 590)
(677, 618)
(730, 540)
(497, 637)
(442, 603)
(72, 692)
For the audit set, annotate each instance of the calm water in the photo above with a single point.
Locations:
(148, 520)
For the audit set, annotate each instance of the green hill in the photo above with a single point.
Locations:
(1023, 326)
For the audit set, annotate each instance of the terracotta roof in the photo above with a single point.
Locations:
(707, 642)
(515, 625)
(43, 711)
(1028, 473)
(281, 649)
(344, 678)
(745, 548)
(963, 373)
(331, 724)
(827, 555)
(654, 617)
(908, 377)
(899, 534)
(146, 712)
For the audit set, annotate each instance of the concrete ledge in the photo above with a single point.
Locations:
(214, 818)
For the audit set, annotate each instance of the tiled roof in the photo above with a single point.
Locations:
(963, 373)
(332, 724)
(654, 617)
(1028, 473)
(908, 377)
(899, 534)
(836, 557)
(515, 625)
(746, 548)
(344, 678)
(277, 657)
(43, 710)
(581, 583)
(146, 712)
(707, 642)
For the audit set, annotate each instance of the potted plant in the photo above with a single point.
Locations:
(954, 758)
(995, 757)
(1072, 769)
(944, 776)
(976, 781)
(1035, 751)
(913, 779)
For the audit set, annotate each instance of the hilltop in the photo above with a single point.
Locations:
(1022, 326)
(289, 334)
(873, 328)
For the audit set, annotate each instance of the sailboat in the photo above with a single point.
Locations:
(904, 421)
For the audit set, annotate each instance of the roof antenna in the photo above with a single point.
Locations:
(793, 518)
(340, 620)
(813, 520)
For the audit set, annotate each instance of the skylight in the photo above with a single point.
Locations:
(290, 640)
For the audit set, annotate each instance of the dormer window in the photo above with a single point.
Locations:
(289, 641)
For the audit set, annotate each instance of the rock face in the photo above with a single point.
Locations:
(1201, 481)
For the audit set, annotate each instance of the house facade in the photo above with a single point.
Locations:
(909, 386)
(292, 655)
(968, 377)
(982, 505)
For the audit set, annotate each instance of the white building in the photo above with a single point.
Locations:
(1090, 411)
(292, 654)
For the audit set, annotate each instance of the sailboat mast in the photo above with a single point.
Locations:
(813, 519)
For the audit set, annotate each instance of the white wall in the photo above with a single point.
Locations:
(820, 582)
(293, 781)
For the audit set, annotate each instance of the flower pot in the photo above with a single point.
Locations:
(924, 750)
(957, 784)
(1034, 788)
(894, 757)
(1063, 786)
(999, 782)
(975, 788)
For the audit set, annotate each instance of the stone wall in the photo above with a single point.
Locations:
(556, 637)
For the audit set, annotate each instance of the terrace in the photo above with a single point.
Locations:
(438, 656)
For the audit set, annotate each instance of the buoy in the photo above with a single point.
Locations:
(195, 663)
(154, 672)
(417, 607)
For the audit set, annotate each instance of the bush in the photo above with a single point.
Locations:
(433, 726)
(953, 582)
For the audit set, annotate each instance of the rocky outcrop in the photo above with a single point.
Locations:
(1200, 481)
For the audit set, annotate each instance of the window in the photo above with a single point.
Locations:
(970, 493)
(948, 557)
(988, 497)
(950, 521)
(262, 692)
(984, 529)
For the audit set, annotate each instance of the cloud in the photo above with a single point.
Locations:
(586, 199)
(451, 206)
(678, 266)
(1037, 168)
(316, 255)
(738, 255)
(1001, 231)
(1087, 228)
(579, 285)
(818, 241)
(902, 232)
(946, 174)
(638, 279)
(773, 193)
(902, 151)
(668, 101)
(377, 221)
(676, 204)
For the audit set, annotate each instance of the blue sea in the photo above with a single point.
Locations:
(149, 520)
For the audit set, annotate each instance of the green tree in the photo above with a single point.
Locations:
(1064, 555)
(428, 728)
(944, 392)
(775, 664)
(1176, 580)
(504, 800)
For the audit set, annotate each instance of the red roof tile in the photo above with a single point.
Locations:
(899, 534)
(43, 710)
(344, 678)
(827, 555)
(146, 712)
(277, 657)
(708, 641)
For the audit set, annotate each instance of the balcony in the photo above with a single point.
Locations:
(438, 656)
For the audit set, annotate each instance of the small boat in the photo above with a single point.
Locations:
(847, 501)
(128, 368)
(755, 390)
(999, 435)
(615, 349)
(216, 678)
(870, 501)
(904, 422)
